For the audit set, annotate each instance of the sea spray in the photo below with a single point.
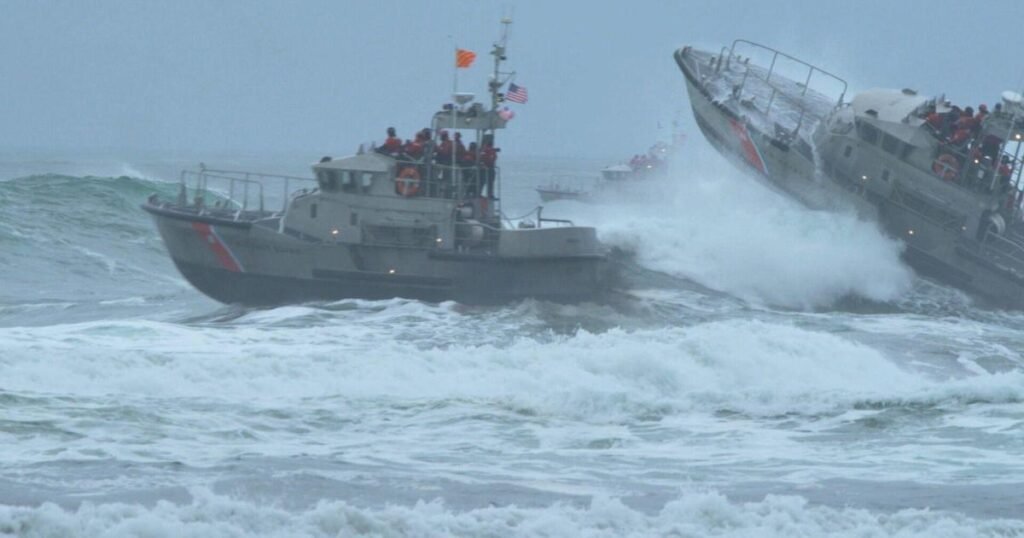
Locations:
(715, 225)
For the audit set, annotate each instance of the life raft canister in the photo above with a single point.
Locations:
(946, 166)
(408, 181)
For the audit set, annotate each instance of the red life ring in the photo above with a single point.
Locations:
(946, 166)
(408, 181)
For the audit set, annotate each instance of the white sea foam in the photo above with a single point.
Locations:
(114, 169)
(409, 384)
(711, 223)
(691, 514)
(751, 367)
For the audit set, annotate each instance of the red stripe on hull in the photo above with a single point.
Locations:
(219, 249)
(749, 149)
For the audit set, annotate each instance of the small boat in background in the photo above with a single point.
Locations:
(652, 165)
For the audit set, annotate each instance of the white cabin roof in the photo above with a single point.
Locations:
(365, 162)
(898, 113)
(891, 105)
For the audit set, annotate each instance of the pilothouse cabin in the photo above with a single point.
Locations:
(884, 147)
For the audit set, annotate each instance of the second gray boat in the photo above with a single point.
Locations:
(948, 187)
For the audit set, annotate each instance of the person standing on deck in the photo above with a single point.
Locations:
(392, 145)
(468, 163)
(488, 159)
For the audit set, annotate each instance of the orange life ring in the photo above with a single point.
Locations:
(408, 181)
(946, 166)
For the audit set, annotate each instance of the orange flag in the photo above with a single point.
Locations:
(464, 58)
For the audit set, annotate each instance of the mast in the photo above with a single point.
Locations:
(499, 55)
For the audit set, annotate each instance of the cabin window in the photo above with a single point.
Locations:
(366, 179)
(312, 211)
(891, 144)
(348, 182)
(848, 151)
(353, 219)
(907, 150)
(326, 180)
(867, 132)
(885, 176)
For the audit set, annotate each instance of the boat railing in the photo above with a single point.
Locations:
(453, 182)
(474, 235)
(568, 184)
(978, 174)
(1002, 247)
(523, 222)
(776, 90)
(236, 190)
(541, 220)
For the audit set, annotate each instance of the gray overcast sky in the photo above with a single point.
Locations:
(324, 75)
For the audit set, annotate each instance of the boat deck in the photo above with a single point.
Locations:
(771, 102)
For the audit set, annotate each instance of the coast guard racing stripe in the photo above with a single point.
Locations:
(220, 249)
(750, 151)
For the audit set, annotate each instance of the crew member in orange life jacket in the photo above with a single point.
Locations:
(460, 148)
(488, 158)
(1004, 172)
(392, 145)
(966, 121)
(443, 153)
(959, 138)
(982, 112)
(414, 148)
(934, 120)
(467, 161)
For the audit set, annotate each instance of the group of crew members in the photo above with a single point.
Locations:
(448, 151)
(960, 130)
(650, 161)
(645, 163)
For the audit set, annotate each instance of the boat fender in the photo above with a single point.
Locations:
(465, 212)
(989, 223)
(408, 181)
(946, 166)
(471, 232)
(996, 224)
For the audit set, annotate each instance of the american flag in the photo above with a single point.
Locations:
(516, 94)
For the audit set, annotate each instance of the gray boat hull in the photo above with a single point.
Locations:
(932, 250)
(250, 263)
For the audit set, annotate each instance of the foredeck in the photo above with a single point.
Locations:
(765, 96)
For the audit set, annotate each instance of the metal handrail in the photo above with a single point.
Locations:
(249, 183)
(259, 176)
(811, 69)
(453, 182)
(541, 219)
(202, 187)
(1010, 249)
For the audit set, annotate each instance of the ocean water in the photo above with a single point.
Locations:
(766, 371)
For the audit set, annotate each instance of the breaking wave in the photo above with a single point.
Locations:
(730, 233)
(691, 514)
(407, 351)
(67, 238)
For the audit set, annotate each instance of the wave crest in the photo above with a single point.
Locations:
(691, 514)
